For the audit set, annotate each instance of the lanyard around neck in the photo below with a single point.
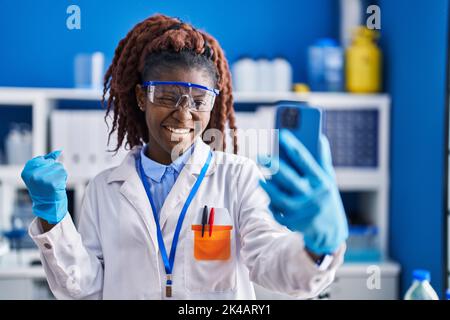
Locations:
(168, 262)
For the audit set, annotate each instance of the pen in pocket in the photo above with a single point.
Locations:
(211, 221)
(204, 219)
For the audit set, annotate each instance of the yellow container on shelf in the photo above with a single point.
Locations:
(301, 88)
(363, 62)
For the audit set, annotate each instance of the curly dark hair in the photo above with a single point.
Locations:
(150, 47)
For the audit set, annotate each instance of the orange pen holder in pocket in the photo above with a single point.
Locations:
(214, 247)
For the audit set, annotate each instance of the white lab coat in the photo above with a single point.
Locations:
(114, 253)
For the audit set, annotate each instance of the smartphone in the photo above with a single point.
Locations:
(304, 121)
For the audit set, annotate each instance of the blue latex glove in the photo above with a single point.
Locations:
(304, 197)
(46, 182)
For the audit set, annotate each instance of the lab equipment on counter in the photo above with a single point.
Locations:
(363, 62)
(421, 288)
(21, 218)
(46, 182)
(363, 244)
(313, 206)
(326, 66)
(18, 144)
(15, 237)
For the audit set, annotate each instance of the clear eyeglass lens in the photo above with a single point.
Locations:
(173, 96)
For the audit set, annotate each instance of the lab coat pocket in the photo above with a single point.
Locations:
(211, 259)
(212, 247)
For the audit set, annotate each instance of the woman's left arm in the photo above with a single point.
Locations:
(276, 256)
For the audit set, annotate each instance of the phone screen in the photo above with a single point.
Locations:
(304, 122)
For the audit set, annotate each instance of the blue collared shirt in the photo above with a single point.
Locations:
(160, 177)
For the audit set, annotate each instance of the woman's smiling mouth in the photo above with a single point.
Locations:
(178, 130)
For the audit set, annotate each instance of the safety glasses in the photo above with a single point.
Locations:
(173, 95)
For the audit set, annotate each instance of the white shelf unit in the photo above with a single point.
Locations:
(375, 181)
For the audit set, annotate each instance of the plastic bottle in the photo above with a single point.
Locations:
(18, 144)
(244, 72)
(421, 288)
(264, 75)
(97, 70)
(82, 71)
(363, 62)
(13, 146)
(27, 143)
(282, 75)
(325, 66)
(88, 70)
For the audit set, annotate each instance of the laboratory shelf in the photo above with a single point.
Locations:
(11, 175)
(327, 97)
(24, 95)
(351, 179)
(350, 268)
(267, 97)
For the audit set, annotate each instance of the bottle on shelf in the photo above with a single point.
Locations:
(264, 75)
(18, 144)
(89, 70)
(363, 62)
(13, 144)
(244, 72)
(325, 66)
(281, 75)
(421, 288)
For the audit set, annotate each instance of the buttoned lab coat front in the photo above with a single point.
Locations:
(114, 253)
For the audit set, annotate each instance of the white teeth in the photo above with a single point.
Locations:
(179, 130)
